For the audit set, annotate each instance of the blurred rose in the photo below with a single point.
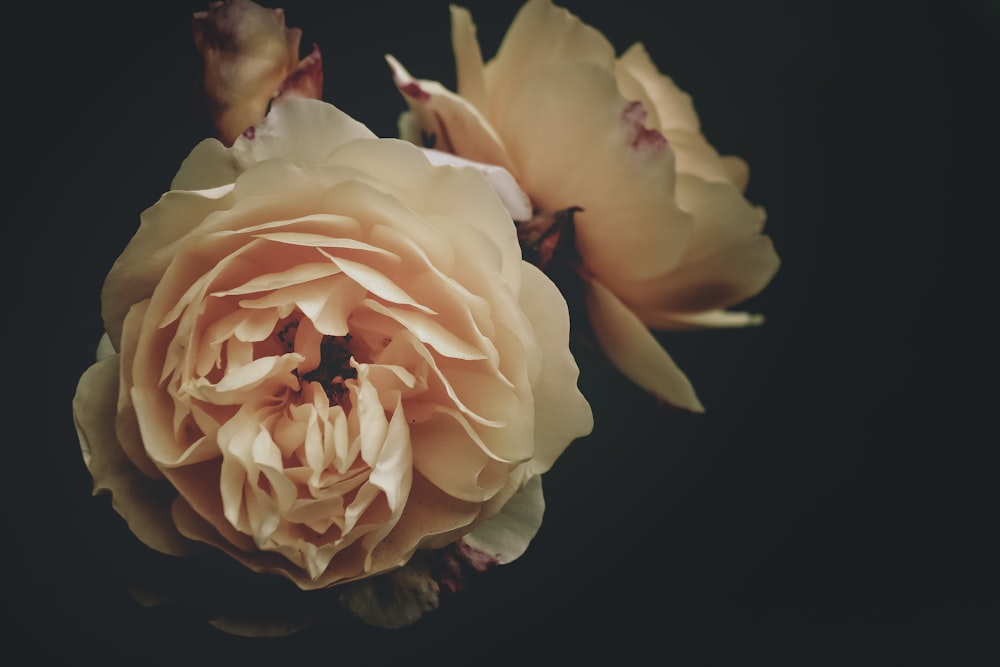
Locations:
(664, 235)
(324, 353)
(250, 59)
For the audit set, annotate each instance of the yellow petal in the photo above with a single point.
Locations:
(448, 122)
(577, 142)
(709, 319)
(541, 34)
(562, 414)
(468, 58)
(729, 260)
(143, 503)
(669, 106)
(632, 349)
(694, 155)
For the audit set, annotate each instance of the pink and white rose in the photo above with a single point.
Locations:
(325, 353)
(665, 237)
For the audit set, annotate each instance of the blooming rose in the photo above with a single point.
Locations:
(250, 59)
(324, 353)
(664, 235)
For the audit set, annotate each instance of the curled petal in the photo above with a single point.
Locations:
(630, 346)
(447, 122)
(306, 80)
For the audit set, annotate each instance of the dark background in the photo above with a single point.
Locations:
(841, 486)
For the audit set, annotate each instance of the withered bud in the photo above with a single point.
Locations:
(250, 58)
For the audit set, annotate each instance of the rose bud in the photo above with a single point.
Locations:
(250, 59)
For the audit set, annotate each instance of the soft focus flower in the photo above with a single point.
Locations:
(324, 353)
(250, 59)
(664, 236)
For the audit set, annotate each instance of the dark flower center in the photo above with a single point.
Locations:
(334, 368)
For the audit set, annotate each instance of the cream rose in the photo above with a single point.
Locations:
(665, 238)
(324, 353)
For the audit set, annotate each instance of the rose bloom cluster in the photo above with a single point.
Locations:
(326, 352)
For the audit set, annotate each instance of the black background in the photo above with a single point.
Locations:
(841, 486)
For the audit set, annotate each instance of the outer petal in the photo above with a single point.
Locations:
(448, 122)
(728, 262)
(468, 58)
(506, 536)
(709, 319)
(541, 34)
(303, 131)
(139, 268)
(514, 199)
(696, 156)
(561, 414)
(577, 142)
(142, 502)
(628, 344)
(639, 79)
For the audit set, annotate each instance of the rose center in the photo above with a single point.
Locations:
(334, 368)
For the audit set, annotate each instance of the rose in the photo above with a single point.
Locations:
(665, 238)
(250, 58)
(324, 353)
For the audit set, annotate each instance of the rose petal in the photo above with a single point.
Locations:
(446, 121)
(709, 319)
(555, 387)
(514, 199)
(669, 107)
(539, 35)
(729, 260)
(471, 80)
(405, 170)
(306, 80)
(621, 175)
(694, 155)
(506, 535)
(137, 270)
(628, 344)
(737, 170)
(320, 128)
(142, 502)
